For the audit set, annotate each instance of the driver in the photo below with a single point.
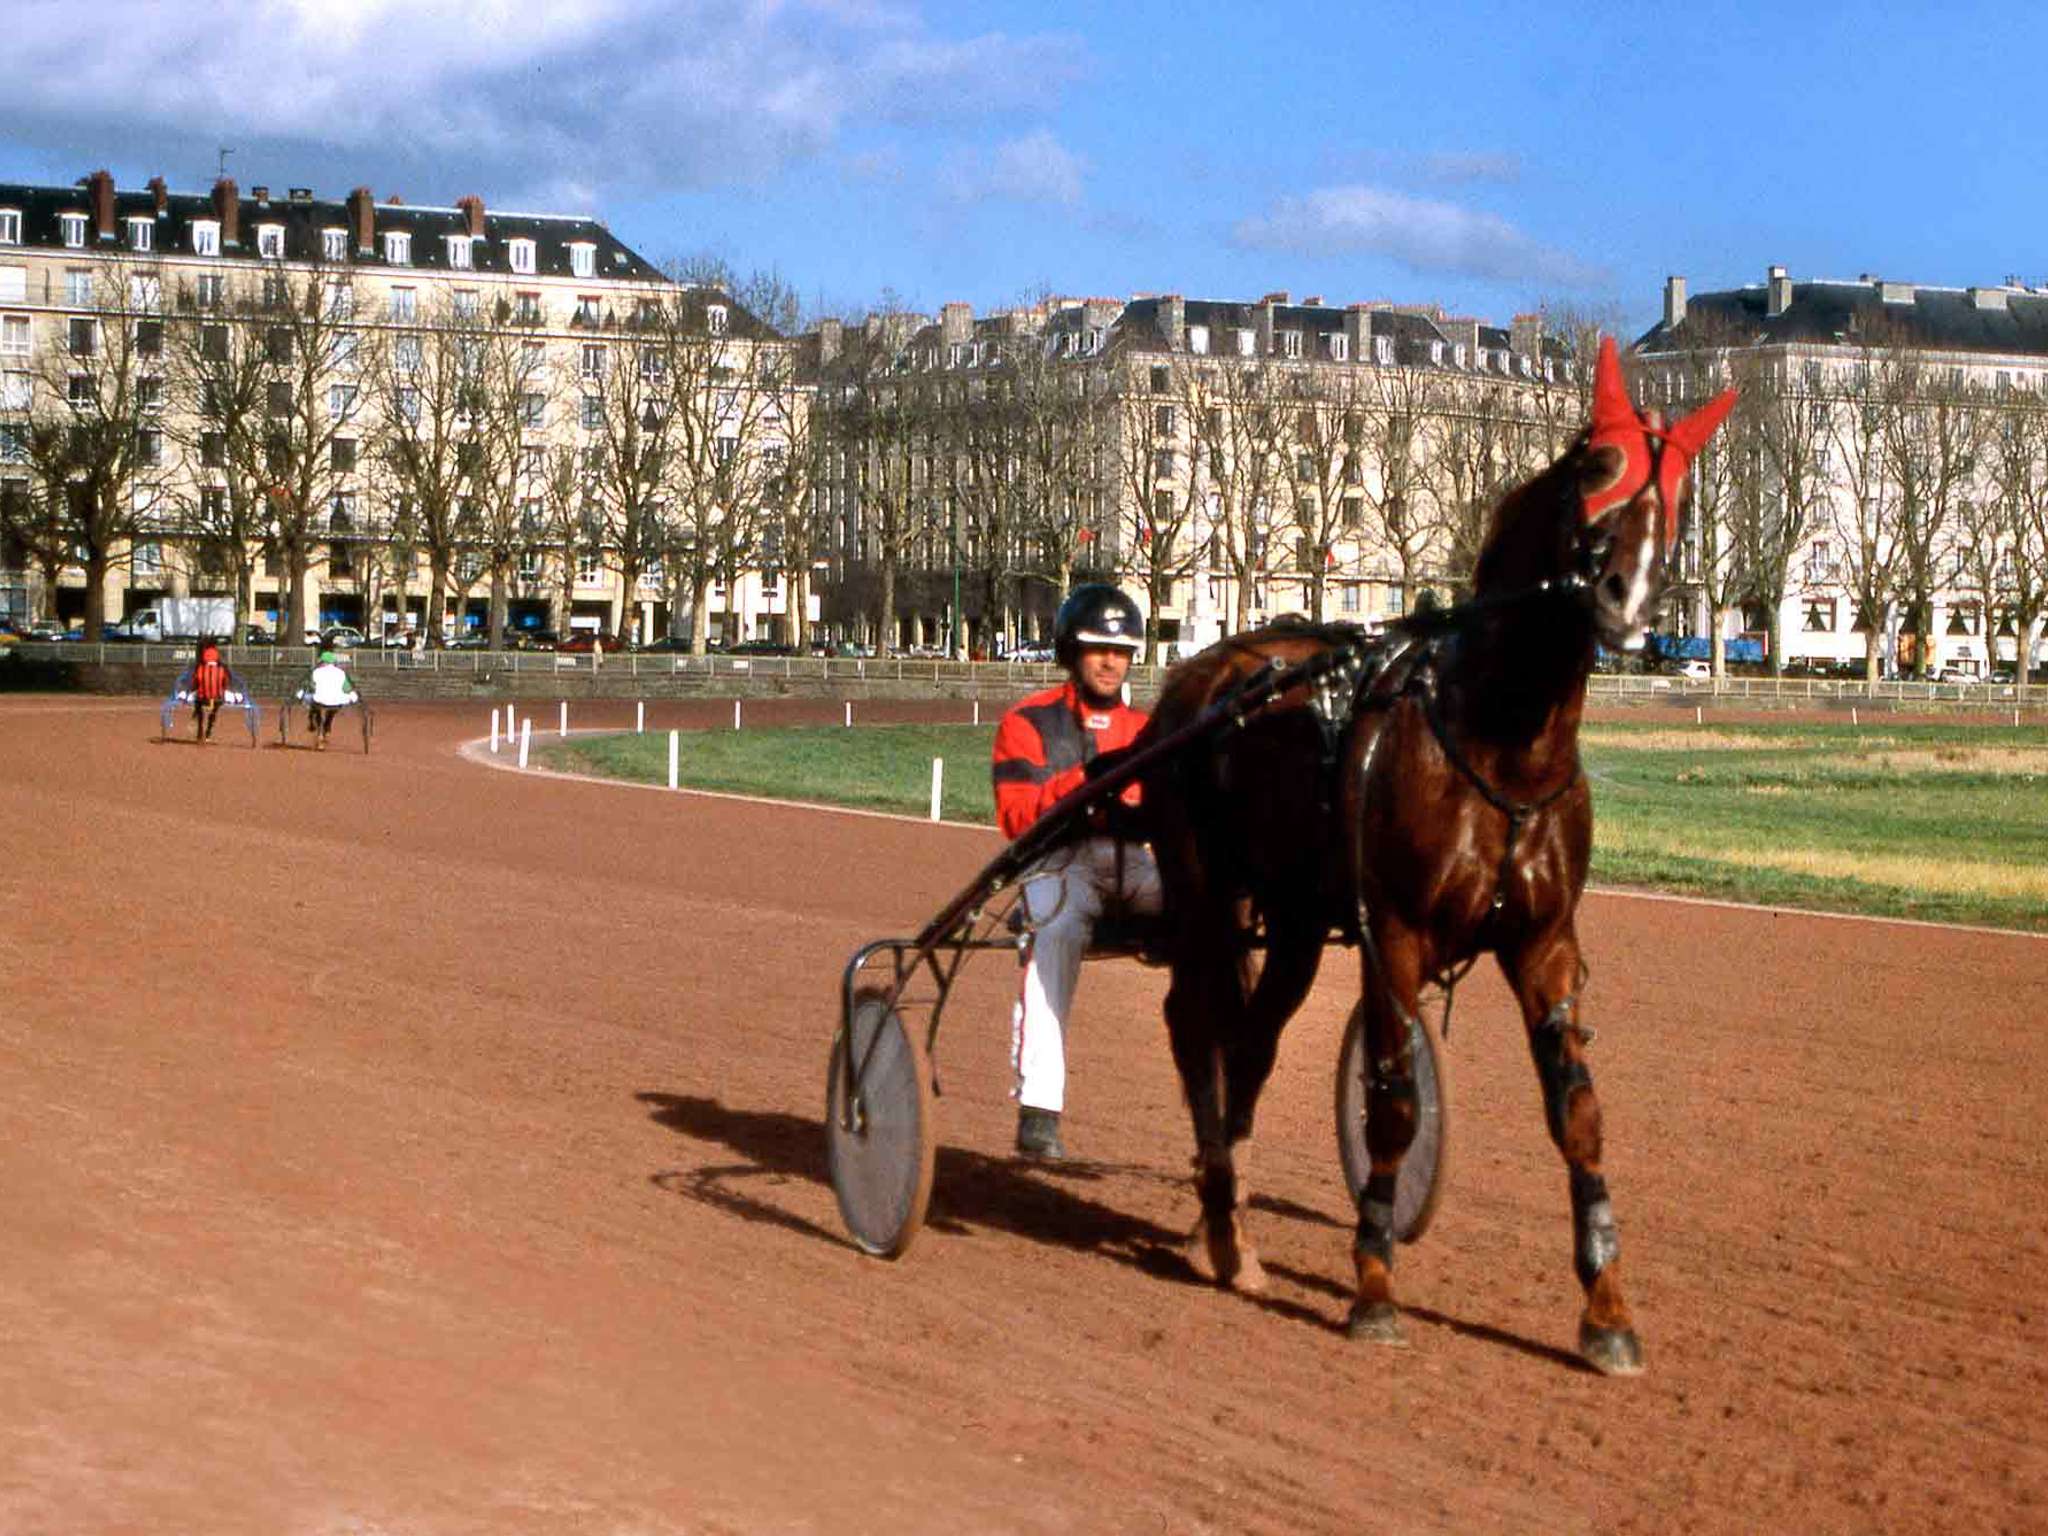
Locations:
(327, 689)
(208, 685)
(1042, 750)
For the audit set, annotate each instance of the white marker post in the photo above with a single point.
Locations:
(510, 730)
(1852, 714)
(494, 727)
(525, 739)
(977, 711)
(640, 718)
(735, 714)
(849, 712)
(938, 784)
(674, 758)
(563, 731)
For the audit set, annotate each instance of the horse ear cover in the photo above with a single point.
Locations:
(1616, 425)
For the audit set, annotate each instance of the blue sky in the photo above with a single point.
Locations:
(1489, 156)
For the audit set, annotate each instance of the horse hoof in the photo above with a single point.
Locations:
(1198, 1252)
(1611, 1351)
(1250, 1278)
(1377, 1322)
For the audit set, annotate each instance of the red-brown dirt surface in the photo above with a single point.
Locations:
(396, 1146)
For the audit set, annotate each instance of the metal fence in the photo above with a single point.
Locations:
(912, 670)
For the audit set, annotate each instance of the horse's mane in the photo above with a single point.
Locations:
(1530, 531)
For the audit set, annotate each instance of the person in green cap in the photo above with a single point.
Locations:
(327, 689)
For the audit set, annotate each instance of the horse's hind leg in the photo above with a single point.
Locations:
(1546, 982)
(1204, 1009)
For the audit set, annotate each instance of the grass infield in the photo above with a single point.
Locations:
(1948, 823)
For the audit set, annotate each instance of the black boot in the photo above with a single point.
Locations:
(1038, 1135)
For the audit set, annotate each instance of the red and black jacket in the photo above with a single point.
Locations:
(210, 677)
(1042, 749)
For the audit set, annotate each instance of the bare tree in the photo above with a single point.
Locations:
(1934, 440)
(1779, 445)
(1473, 455)
(878, 427)
(1237, 410)
(2008, 533)
(626, 411)
(1162, 481)
(1865, 513)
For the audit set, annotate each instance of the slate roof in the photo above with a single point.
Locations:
(1993, 320)
(304, 220)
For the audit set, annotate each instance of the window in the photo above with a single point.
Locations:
(149, 448)
(1162, 419)
(589, 310)
(212, 290)
(409, 406)
(593, 413)
(341, 400)
(405, 305)
(13, 450)
(1383, 351)
(334, 245)
(277, 398)
(725, 449)
(341, 301)
(1162, 380)
(533, 410)
(213, 343)
(83, 336)
(1162, 464)
(461, 252)
(715, 318)
(10, 226)
(407, 355)
(149, 338)
(14, 335)
(653, 364)
(1347, 597)
(205, 237)
(1820, 616)
(346, 345)
(270, 241)
(592, 360)
(149, 392)
(1290, 343)
(582, 258)
(213, 450)
(146, 292)
(529, 565)
(73, 226)
(398, 247)
(342, 455)
(521, 253)
(1340, 347)
(526, 309)
(17, 391)
(1198, 340)
(1247, 343)
(277, 344)
(277, 454)
(589, 568)
(78, 286)
(142, 234)
(79, 389)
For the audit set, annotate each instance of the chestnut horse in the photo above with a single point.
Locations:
(1432, 808)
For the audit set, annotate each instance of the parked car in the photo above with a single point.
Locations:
(761, 648)
(665, 643)
(1031, 653)
(1696, 671)
(469, 640)
(588, 639)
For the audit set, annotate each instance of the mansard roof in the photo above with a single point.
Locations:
(304, 218)
(2007, 319)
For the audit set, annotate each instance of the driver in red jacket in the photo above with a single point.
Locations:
(1042, 750)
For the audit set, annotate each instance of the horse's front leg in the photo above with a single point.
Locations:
(1392, 987)
(1545, 978)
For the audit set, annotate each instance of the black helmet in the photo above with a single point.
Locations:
(1096, 614)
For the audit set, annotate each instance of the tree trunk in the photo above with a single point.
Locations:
(500, 601)
(700, 614)
(1873, 654)
(437, 598)
(297, 567)
(1718, 642)
(1774, 638)
(885, 638)
(245, 597)
(96, 567)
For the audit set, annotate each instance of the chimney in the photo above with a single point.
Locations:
(1525, 335)
(473, 207)
(1674, 302)
(161, 193)
(1264, 322)
(300, 194)
(1277, 296)
(1358, 332)
(362, 220)
(1779, 298)
(100, 188)
(1173, 319)
(830, 333)
(956, 323)
(262, 196)
(1313, 301)
(227, 207)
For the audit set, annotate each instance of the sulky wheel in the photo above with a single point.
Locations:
(879, 1136)
(1420, 1183)
(364, 710)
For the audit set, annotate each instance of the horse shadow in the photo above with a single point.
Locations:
(975, 1192)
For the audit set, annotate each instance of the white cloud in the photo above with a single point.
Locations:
(436, 97)
(1036, 168)
(1423, 234)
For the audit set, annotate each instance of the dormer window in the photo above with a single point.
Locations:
(334, 245)
(398, 248)
(142, 234)
(1290, 343)
(521, 254)
(582, 258)
(205, 237)
(461, 252)
(1198, 339)
(73, 226)
(270, 241)
(1383, 351)
(1340, 347)
(10, 226)
(714, 317)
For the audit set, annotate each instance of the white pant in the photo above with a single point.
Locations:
(1062, 899)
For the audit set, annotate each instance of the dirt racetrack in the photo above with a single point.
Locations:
(397, 1146)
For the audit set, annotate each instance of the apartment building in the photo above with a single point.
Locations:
(1879, 500)
(142, 304)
